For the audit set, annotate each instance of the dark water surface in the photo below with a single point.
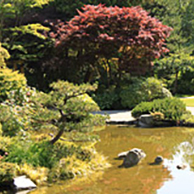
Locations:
(176, 145)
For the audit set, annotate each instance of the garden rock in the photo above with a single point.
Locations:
(23, 183)
(181, 166)
(158, 160)
(133, 157)
(146, 121)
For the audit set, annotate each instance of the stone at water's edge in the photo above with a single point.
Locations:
(146, 121)
(23, 183)
(133, 157)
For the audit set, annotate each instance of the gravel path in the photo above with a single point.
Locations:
(117, 115)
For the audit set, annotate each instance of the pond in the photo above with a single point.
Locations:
(175, 144)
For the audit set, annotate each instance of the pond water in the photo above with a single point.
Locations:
(176, 145)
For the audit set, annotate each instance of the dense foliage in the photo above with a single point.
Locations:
(7, 172)
(132, 92)
(11, 83)
(69, 7)
(171, 108)
(3, 56)
(176, 71)
(65, 114)
(128, 34)
(143, 91)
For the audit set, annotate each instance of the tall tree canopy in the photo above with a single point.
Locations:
(128, 34)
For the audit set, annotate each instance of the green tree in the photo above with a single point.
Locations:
(24, 41)
(172, 66)
(178, 15)
(69, 7)
(66, 108)
(16, 10)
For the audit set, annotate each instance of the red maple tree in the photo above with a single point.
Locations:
(128, 34)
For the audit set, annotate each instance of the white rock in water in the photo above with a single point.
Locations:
(122, 154)
(23, 183)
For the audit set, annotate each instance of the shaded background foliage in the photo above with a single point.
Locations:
(49, 40)
(23, 24)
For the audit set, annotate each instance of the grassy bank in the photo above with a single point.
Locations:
(188, 101)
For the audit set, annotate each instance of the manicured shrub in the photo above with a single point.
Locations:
(187, 117)
(171, 108)
(143, 91)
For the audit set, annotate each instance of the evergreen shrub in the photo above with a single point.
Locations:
(171, 108)
(129, 95)
(143, 91)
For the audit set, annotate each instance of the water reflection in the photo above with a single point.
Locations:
(176, 145)
(182, 179)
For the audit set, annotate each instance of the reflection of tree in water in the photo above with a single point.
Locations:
(185, 152)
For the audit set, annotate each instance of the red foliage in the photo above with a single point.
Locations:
(127, 33)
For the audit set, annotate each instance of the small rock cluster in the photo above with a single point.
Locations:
(135, 155)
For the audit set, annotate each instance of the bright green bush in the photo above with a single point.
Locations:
(3, 55)
(63, 160)
(11, 82)
(34, 153)
(187, 117)
(172, 108)
(143, 91)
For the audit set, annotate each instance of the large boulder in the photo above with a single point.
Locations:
(133, 157)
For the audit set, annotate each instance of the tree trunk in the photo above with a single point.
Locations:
(89, 74)
(60, 133)
(57, 137)
(175, 83)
